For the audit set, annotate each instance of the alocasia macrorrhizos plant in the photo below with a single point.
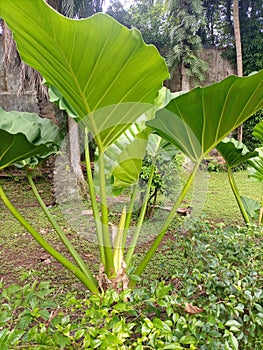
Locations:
(198, 121)
(105, 72)
(108, 77)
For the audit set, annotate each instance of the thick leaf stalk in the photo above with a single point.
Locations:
(141, 217)
(88, 283)
(109, 266)
(118, 243)
(134, 192)
(60, 232)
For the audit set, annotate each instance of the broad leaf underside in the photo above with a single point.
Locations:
(94, 62)
(197, 121)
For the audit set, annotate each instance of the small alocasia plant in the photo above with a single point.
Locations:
(256, 164)
(234, 153)
(108, 78)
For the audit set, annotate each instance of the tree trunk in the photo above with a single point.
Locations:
(238, 52)
(237, 38)
(185, 81)
(75, 154)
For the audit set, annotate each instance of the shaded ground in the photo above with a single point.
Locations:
(21, 257)
(20, 254)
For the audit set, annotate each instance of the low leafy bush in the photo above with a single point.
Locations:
(166, 181)
(213, 302)
(212, 165)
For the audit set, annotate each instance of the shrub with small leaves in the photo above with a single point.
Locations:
(218, 304)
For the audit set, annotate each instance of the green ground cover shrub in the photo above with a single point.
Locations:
(216, 303)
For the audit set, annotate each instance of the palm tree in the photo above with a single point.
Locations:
(185, 20)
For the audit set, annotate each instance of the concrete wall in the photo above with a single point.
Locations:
(10, 99)
(218, 69)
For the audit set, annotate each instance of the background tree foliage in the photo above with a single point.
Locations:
(180, 28)
(77, 8)
(182, 24)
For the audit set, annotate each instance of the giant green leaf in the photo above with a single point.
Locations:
(234, 152)
(105, 71)
(198, 120)
(25, 137)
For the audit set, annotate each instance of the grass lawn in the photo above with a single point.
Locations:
(220, 204)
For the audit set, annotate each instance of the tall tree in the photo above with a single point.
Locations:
(238, 52)
(219, 30)
(147, 16)
(117, 11)
(173, 27)
(237, 38)
(251, 28)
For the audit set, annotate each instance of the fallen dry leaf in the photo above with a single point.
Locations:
(191, 309)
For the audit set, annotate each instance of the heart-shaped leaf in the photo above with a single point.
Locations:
(103, 70)
(198, 120)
